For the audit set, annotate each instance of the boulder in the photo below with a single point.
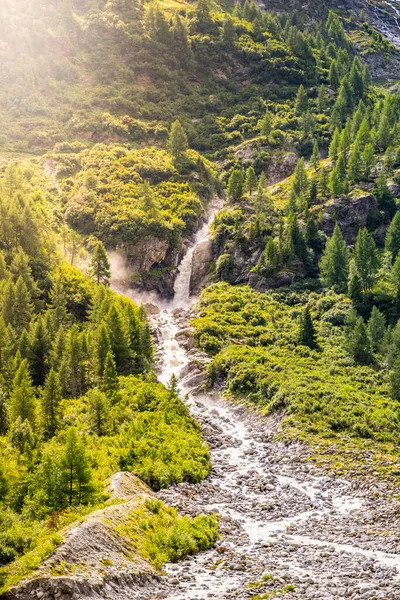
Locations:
(151, 251)
(350, 213)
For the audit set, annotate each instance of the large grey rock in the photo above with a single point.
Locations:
(350, 213)
(203, 256)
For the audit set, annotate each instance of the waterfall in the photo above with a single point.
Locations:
(182, 282)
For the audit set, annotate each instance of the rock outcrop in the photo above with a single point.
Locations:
(350, 213)
(95, 560)
(203, 256)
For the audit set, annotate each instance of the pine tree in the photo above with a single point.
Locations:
(299, 185)
(51, 398)
(307, 335)
(110, 384)
(368, 159)
(177, 141)
(355, 164)
(39, 350)
(102, 347)
(333, 76)
(266, 125)
(376, 328)
(359, 343)
(118, 340)
(22, 308)
(75, 468)
(366, 259)
(336, 183)
(384, 133)
(392, 242)
(251, 180)
(58, 302)
(99, 265)
(334, 264)
(98, 411)
(235, 185)
(316, 156)
(301, 102)
(334, 145)
(8, 302)
(22, 397)
(323, 183)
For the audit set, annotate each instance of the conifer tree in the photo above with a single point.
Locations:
(300, 180)
(316, 156)
(59, 304)
(334, 264)
(101, 349)
(251, 180)
(177, 141)
(266, 125)
(110, 383)
(301, 102)
(366, 259)
(334, 145)
(235, 185)
(392, 241)
(39, 349)
(336, 183)
(368, 157)
(22, 306)
(118, 340)
(359, 343)
(384, 133)
(75, 468)
(355, 164)
(376, 328)
(99, 265)
(8, 302)
(395, 380)
(22, 397)
(323, 182)
(51, 398)
(333, 76)
(307, 335)
(98, 411)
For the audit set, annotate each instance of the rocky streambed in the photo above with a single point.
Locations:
(287, 529)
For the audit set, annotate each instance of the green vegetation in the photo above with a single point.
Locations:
(162, 536)
(337, 395)
(78, 397)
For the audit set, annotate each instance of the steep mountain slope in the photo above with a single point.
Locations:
(123, 122)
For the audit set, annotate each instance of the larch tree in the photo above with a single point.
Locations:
(177, 141)
(334, 264)
(99, 265)
(51, 398)
(22, 398)
(307, 334)
(366, 258)
(75, 468)
(236, 185)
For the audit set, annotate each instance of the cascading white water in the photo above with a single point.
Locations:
(182, 282)
(278, 515)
